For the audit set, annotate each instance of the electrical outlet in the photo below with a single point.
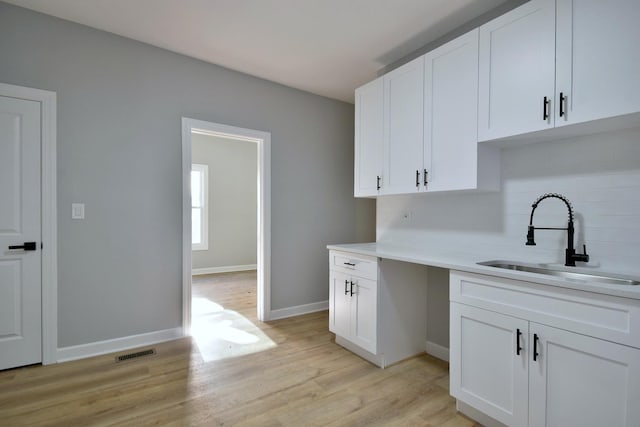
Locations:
(77, 210)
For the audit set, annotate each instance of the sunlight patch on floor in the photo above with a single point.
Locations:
(221, 334)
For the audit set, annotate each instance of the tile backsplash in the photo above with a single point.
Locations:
(599, 174)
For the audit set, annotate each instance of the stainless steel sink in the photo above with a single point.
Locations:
(564, 272)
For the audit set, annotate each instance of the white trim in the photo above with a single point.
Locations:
(226, 269)
(97, 348)
(437, 350)
(263, 139)
(204, 217)
(477, 416)
(299, 310)
(47, 101)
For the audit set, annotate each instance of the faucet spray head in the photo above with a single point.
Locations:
(530, 236)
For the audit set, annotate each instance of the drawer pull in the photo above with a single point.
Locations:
(350, 264)
(346, 291)
(518, 347)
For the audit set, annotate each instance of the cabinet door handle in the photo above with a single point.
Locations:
(562, 100)
(425, 175)
(417, 178)
(545, 109)
(535, 347)
(378, 182)
(351, 289)
(518, 347)
(346, 291)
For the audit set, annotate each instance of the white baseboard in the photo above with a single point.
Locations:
(298, 310)
(65, 354)
(226, 269)
(436, 350)
(478, 416)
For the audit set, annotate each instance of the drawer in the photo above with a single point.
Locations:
(607, 317)
(355, 265)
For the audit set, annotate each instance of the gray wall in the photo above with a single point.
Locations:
(119, 147)
(438, 306)
(233, 196)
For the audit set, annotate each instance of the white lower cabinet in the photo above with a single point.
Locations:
(377, 308)
(582, 381)
(486, 371)
(524, 373)
(353, 308)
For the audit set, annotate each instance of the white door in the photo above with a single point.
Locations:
(20, 270)
(598, 61)
(517, 71)
(489, 364)
(364, 312)
(403, 128)
(582, 381)
(339, 304)
(451, 115)
(369, 139)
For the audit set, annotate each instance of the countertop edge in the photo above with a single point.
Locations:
(467, 263)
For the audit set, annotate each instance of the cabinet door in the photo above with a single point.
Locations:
(364, 312)
(598, 61)
(582, 381)
(517, 71)
(486, 371)
(451, 114)
(403, 128)
(339, 304)
(368, 138)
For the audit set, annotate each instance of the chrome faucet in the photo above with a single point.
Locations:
(570, 253)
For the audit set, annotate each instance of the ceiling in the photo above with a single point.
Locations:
(326, 47)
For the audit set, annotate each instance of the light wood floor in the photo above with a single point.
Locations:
(305, 380)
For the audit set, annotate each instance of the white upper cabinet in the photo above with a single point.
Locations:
(403, 128)
(539, 67)
(369, 139)
(517, 71)
(451, 119)
(598, 60)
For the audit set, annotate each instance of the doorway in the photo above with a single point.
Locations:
(191, 127)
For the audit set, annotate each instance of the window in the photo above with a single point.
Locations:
(199, 207)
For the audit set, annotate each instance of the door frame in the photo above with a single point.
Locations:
(49, 252)
(263, 140)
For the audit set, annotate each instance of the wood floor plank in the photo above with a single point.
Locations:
(303, 379)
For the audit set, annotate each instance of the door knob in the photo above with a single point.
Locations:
(27, 246)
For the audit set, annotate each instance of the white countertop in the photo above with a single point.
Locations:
(467, 262)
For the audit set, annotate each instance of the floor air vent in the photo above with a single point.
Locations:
(135, 355)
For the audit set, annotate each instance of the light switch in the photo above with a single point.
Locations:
(77, 210)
